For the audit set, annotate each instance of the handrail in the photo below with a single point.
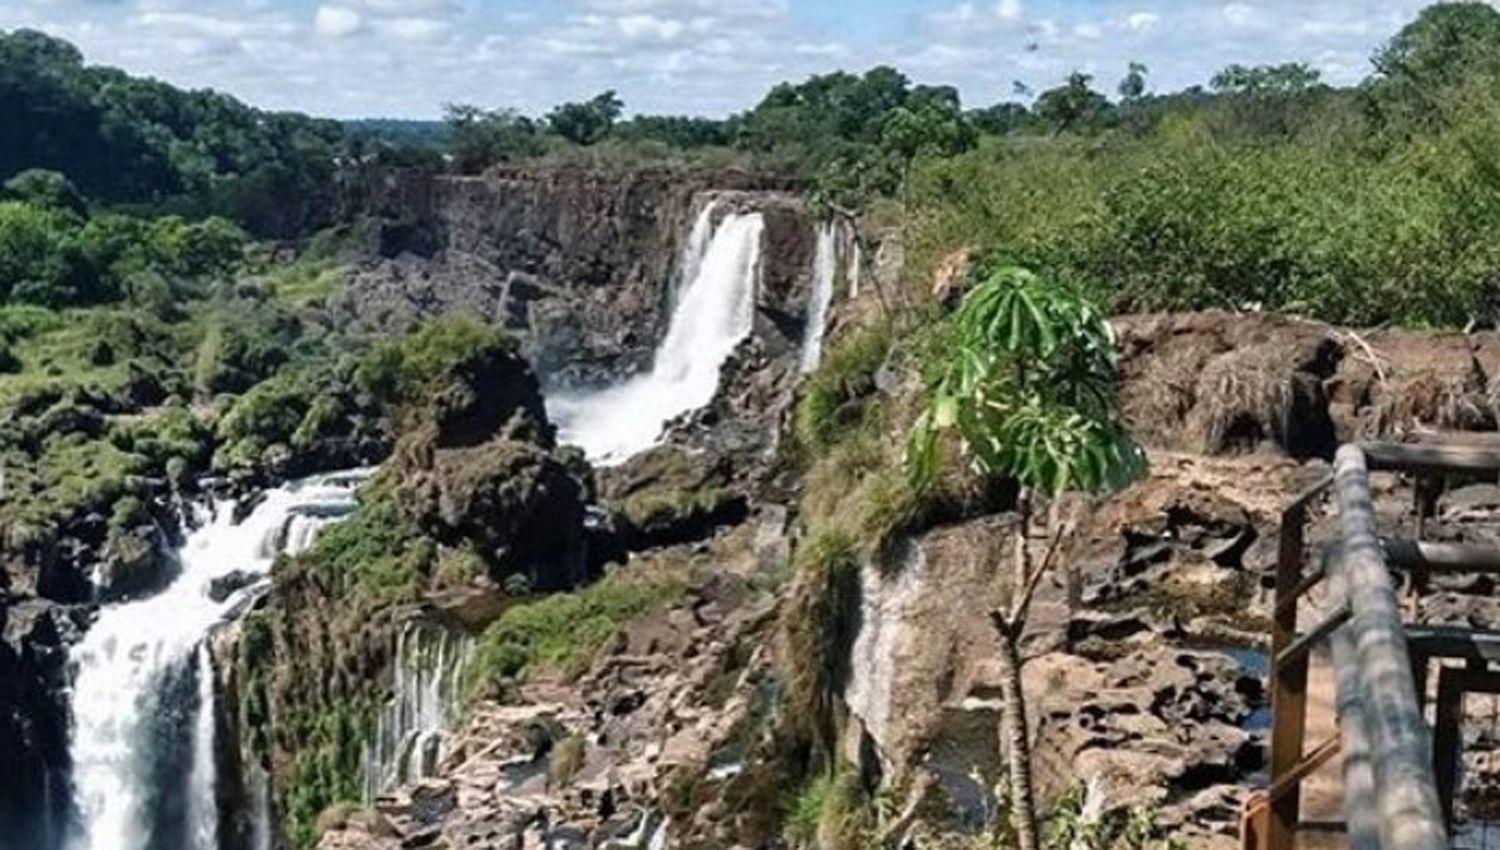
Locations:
(1400, 745)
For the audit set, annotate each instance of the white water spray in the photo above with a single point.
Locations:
(825, 269)
(714, 313)
(143, 717)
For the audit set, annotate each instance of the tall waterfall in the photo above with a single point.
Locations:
(411, 732)
(142, 747)
(713, 314)
(825, 269)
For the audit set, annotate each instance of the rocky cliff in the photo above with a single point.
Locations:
(1146, 657)
(580, 263)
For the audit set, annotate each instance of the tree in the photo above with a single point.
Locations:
(1265, 80)
(1446, 47)
(927, 127)
(479, 139)
(1027, 383)
(1071, 104)
(1001, 119)
(1133, 85)
(588, 122)
(47, 189)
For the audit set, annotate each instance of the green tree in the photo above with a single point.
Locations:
(588, 122)
(1071, 104)
(930, 126)
(1027, 383)
(1265, 80)
(1448, 46)
(480, 139)
(47, 189)
(1133, 85)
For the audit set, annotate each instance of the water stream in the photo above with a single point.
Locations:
(825, 269)
(143, 748)
(411, 733)
(713, 314)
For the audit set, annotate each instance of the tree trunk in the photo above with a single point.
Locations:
(1013, 735)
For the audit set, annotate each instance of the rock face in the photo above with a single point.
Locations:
(579, 263)
(655, 743)
(33, 722)
(1217, 383)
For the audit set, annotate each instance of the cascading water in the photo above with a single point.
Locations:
(410, 734)
(714, 313)
(825, 269)
(143, 749)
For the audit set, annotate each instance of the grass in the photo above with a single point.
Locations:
(564, 632)
(830, 812)
(830, 397)
(307, 282)
(1178, 221)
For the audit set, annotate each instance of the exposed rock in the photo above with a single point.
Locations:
(670, 495)
(133, 562)
(665, 721)
(1216, 382)
(578, 262)
(514, 498)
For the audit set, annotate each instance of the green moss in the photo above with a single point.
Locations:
(329, 764)
(376, 551)
(830, 397)
(830, 812)
(565, 631)
(567, 759)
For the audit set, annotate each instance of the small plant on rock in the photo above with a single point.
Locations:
(1027, 385)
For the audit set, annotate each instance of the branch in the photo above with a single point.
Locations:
(1021, 604)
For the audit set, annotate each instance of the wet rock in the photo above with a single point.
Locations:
(133, 563)
(225, 586)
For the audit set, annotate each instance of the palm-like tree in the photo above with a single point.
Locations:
(1027, 383)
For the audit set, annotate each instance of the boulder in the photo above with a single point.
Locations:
(670, 495)
(513, 498)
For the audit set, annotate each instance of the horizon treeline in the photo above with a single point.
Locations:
(1263, 188)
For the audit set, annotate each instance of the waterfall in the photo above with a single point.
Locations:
(825, 269)
(142, 746)
(694, 250)
(427, 697)
(713, 315)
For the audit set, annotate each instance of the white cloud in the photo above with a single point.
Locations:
(1088, 31)
(1142, 21)
(411, 8)
(336, 21)
(650, 26)
(415, 29)
(1241, 14)
(1009, 10)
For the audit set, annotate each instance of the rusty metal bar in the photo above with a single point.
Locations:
(1429, 459)
(1288, 683)
(1441, 557)
(1320, 755)
(1406, 798)
(1299, 648)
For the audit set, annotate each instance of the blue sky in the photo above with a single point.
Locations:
(406, 58)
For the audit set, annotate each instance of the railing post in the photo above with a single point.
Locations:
(1288, 685)
(1410, 813)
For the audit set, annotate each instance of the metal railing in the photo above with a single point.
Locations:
(1393, 799)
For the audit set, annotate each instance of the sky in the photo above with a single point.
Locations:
(408, 58)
